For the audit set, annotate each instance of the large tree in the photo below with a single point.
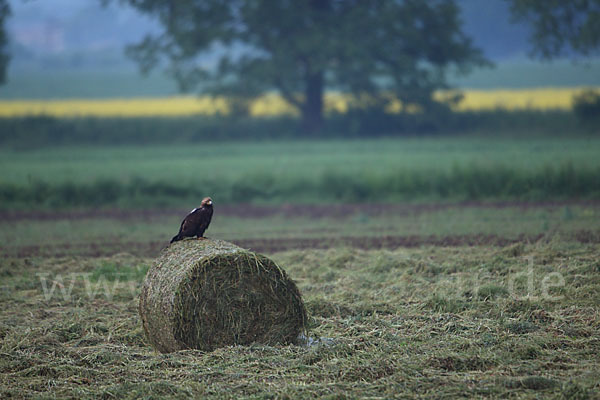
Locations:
(561, 27)
(370, 48)
(4, 58)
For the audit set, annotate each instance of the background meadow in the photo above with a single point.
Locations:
(356, 171)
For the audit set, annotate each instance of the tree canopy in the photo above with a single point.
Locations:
(561, 27)
(370, 48)
(4, 57)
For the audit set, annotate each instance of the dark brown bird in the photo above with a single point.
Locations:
(196, 222)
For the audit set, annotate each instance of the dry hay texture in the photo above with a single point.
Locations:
(205, 294)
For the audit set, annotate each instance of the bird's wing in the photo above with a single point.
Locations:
(204, 217)
(189, 224)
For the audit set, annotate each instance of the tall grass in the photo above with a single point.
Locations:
(459, 183)
(290, 161)
(307, 171)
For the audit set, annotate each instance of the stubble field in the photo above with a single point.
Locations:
(405, 300)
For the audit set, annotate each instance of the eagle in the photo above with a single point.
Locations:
(196, 222)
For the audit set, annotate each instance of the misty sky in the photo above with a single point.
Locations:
(55, 26)
(58, 43)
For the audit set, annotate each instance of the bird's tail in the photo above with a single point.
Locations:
(175, 238)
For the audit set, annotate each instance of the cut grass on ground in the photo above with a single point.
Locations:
(519, 321)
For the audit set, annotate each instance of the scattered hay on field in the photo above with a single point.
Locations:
(205, 294)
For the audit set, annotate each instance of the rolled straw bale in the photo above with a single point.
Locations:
(204, 294)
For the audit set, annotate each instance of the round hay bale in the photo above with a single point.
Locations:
(204, 294)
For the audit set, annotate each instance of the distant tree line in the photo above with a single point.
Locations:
(561, 27)
(565, 28)
(377, 50)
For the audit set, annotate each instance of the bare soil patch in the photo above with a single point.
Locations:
(287, 210)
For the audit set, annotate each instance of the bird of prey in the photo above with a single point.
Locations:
(196, 222)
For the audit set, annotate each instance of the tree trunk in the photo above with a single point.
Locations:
(312, 110)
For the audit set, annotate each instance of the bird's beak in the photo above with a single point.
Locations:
(210, 203)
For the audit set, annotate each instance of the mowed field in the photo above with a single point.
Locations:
(405, 300)
(422, 292)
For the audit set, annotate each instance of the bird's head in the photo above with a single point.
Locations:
(207, 201)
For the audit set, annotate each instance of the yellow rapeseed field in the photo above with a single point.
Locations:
(272, 104)
(535, 99)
